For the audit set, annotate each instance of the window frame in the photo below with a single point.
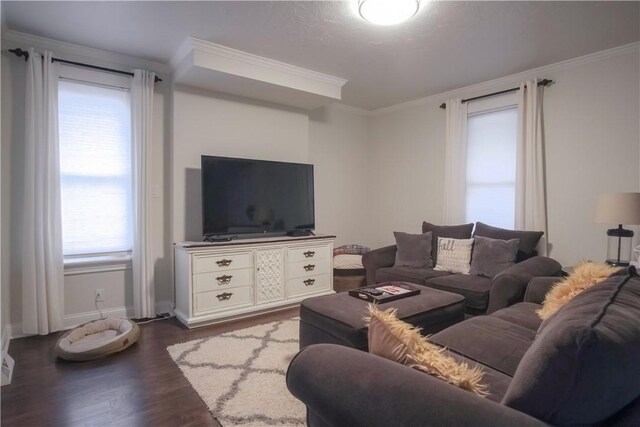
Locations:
(493, 104)
(106, 261)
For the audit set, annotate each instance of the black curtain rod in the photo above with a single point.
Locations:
(543, 82)
(23, 53)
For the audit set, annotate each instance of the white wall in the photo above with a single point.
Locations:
(592, 145)
(221, 125)
(338, 147)
(406, 172)
(334, 139)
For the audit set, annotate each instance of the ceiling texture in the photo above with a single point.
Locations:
(447, 45)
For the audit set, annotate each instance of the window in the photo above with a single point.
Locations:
(95, 168)
(491, 167)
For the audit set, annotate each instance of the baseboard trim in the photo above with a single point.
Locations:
(165, 307)
(14, 331)
(73, 320)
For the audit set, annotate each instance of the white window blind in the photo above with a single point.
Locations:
(491, 167)
(95, 167)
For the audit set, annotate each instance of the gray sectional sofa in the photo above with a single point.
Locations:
(482, 294)
(579, 367)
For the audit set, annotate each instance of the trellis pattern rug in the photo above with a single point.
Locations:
(240, 375)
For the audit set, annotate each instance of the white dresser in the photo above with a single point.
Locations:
(220, 281)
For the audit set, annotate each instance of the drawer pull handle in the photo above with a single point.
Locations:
(225, 296)
(224, 262)
(309, 254)
(224, 280)
(309, 267)
(309, 282)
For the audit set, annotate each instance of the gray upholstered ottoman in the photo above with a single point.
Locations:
(339, 318)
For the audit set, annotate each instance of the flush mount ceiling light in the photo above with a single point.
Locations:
(387, 12)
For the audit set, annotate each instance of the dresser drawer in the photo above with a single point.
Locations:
(222, 262)
(204, 282)
(223, 299)
(308, 253)
(307, 268)
(308, 284)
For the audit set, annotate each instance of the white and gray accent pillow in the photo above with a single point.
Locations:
(491, 256)
(414, 250)
(454, 255)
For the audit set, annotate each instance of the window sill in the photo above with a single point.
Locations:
(96, 264)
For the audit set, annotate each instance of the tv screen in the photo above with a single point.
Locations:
(242, 196)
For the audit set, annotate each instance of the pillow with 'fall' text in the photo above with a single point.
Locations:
(454, 255)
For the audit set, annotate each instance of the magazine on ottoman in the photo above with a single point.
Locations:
(385, 292)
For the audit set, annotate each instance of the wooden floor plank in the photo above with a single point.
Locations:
(141, 386)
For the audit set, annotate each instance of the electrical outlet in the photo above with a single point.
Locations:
(99, 295)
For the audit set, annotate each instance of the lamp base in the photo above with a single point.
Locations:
(616, 263)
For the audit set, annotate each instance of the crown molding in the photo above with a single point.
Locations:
(193, 43)
(508, 81)
(78, 52)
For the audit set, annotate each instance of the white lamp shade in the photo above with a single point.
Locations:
(618, 208)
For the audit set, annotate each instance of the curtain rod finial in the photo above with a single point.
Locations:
(443, 106)
(19, 52)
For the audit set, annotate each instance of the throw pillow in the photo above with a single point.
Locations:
(528, 239)
(454, 255)
(462, 231)
(491, 256)
(583, 277)
(413, 250)
(401, 342)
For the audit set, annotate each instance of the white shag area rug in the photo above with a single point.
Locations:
(240, 375)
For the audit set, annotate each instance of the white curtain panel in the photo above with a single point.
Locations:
(42, 259)
(531, 204)
(142, 112)
(455, 162)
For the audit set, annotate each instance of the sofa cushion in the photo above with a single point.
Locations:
(407, 274)
(496, 382)
(414, 250)
(488, 340)
(491, 256)
(462, 231)
(474, 288)
(583, 367)
(523, 314)
(528, 239)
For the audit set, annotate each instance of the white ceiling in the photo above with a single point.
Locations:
(446, 46)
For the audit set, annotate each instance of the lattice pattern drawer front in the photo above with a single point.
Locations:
(269, 275)
(223, 299)
(308, 285)
(205, 282)
(308, 253)
(211, 263)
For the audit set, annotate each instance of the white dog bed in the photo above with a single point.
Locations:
(97, 339)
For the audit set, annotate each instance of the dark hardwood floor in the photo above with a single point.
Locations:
(141, 386)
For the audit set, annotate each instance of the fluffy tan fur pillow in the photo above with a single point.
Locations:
(401, 342)
(583, 277)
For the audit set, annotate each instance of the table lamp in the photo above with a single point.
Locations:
(618, 208)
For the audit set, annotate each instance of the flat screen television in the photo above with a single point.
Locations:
(245, 198)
